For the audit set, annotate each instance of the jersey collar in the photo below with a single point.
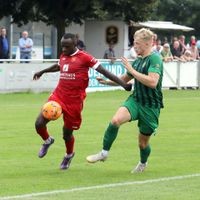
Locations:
(77, 50)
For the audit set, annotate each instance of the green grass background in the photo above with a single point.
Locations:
(175, 150)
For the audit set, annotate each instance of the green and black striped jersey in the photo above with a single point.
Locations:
(143, 94)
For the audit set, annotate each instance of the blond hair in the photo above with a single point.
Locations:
(144, 34)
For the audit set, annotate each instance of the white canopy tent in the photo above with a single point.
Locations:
(162, 25)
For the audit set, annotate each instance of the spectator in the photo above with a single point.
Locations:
(132, 53)
(166, 54)
(25, 46)
(183, 46)
(80, 43)
(110, 53)
(176, 50)
(4, 45)
(194, 51)
(198, 46)
(187, 56)
(165, 40)
(157, 48)
(155, 38)
(192, 39)
(175, 39)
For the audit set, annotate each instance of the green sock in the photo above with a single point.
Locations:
(144, 154)
(109, 136)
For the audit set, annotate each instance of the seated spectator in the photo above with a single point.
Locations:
(166, 54)
(110, 53)
(176, 50)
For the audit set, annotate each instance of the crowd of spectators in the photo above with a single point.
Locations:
(178, 49)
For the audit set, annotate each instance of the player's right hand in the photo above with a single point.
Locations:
(128, 87)
(37, 75)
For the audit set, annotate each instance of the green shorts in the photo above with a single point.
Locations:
(147, 117)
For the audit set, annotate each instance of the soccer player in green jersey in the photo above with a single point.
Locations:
(143, 104)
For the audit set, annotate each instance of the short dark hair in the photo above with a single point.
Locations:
(69, 35)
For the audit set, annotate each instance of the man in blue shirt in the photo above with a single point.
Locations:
(4, 45)
(25, 45)
(110, 53)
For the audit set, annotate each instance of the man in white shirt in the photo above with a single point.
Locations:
(25, 45)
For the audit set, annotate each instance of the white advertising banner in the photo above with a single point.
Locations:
(188, 74)
(170, 74)
(18, 77)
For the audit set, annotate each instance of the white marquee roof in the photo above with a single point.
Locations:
(163, 25)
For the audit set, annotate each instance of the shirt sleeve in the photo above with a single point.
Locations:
(156, 65)
(91, 61)
(30, 42)
(20, 43)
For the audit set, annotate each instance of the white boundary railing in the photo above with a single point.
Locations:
(17, 77)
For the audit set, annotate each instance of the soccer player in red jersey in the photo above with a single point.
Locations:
(70, 93)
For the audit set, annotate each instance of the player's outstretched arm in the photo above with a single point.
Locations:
(114, 78)
(53, 68)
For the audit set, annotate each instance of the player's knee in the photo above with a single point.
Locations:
(67, 137)
(115, 121)
(142, 144)
(67, 134)
(39, 123)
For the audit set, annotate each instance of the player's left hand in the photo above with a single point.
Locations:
(101, 80)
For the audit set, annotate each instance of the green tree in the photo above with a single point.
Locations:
(185, 12)
(61, 13)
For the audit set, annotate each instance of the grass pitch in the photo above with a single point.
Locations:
(172, 174)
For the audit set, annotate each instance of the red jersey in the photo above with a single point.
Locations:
(74, 74)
